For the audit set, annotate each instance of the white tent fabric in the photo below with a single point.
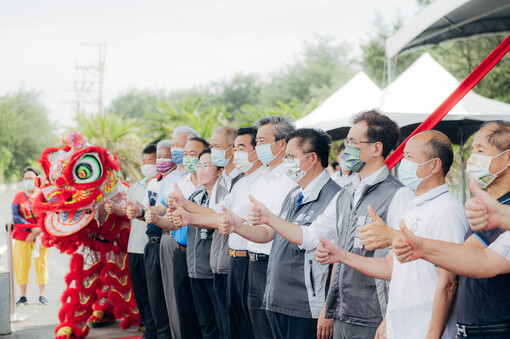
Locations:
(417, 92)
(341, 103)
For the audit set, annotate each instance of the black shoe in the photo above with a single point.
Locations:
(43, 300)
(22, 301)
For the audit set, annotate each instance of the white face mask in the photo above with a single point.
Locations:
(293, 170)
(149, 170)
(407, 173)
(241, 161)
(477, 168)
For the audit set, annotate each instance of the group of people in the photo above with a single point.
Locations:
(247, 235)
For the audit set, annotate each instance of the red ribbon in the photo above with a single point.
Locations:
(443, 109)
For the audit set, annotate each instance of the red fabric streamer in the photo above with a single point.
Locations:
(443, 109)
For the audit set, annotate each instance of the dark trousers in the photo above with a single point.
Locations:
(237, 299)
(155, 289)
(288, 327)
(205, 301)
(166, 255)
(220, 291)
(488, 336)
(343, 330)
(260, 319)
(139, 283)
(188, 319)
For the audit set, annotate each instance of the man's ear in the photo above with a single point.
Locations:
(378, 148)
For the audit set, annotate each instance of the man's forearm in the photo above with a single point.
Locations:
(259, 234)
(379, 268)
(464, 260)
(205, 220)
(443, 300)
(291, 232)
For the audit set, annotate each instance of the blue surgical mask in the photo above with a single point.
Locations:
(351, 160)
(265, 154)
(407, 173)
(177, 155)
(219, 158)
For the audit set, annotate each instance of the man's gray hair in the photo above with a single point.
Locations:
(228, 132)
(191, 133)
(283, 126)
(164, 144)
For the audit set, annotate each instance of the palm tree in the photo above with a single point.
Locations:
(119, 136)
(188, 112)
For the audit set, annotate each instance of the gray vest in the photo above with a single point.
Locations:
(198, 250)
(354, 297)
(296, 282)
(220, 259)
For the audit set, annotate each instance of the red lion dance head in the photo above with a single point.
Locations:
(79, 177)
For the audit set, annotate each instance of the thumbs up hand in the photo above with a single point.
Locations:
(328, 252)
(181, 217)
(133, 210)
(377, 234)
(407, 246)
(226, 223)
(258, 213)
(150, 216)
(124, 206)
(109, 206)
(482, 211)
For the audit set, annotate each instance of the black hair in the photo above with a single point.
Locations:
(202, 140)
(500, 135)
(31, 169)
(335, 164)
(313, 140)
(380, 128)
(248, 130)
(441, 147)
(149, 149)
(205, 151)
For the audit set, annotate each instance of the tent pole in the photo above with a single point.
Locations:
(462, 171)
(390, 71)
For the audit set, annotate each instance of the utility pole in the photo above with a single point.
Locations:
(89, 83)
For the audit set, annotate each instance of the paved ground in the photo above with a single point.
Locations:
(43, 319)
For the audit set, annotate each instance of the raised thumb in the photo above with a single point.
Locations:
(252, 199)
(372, 213)
(224, 209)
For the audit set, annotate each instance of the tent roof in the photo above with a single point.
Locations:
(450, 19)
(417, 92)
(341, 103)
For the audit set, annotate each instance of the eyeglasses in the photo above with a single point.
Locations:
(290, 157)
(204, 166)
(353, 142)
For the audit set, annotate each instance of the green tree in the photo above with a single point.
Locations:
(119, 136)
(188, 112)
(240, 90)
(25, 131)
(136, 103)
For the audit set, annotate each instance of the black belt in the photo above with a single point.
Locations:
(464, 331)
(259, 257)
(182, 248)
(155, 239)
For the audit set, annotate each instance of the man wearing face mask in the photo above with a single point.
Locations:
(138, 239)
(174, 272)
(293, 271)
(483, 304)
(246, 161)
(222, 155)
(152, 266)
(421, 295)
(344, 176)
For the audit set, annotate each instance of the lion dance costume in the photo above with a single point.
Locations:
(80, 177)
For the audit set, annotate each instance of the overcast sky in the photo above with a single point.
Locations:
(167, 44)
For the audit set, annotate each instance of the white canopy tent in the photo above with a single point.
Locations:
(418, 92)
(345, 100)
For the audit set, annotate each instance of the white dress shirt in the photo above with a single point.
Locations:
(241, 189)
(271, 188)
(137, 237)
(343, 180)
(326, 223)
(186, 186)
(436, 214)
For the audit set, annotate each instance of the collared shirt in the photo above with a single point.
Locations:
(167, 184)
(137, 237)
(436, 214)
(241, 189)
(271, 188)
(326, 224)
(311, 186)
(151, 198)
(343, 180)
(502, 245)
(187, 187)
